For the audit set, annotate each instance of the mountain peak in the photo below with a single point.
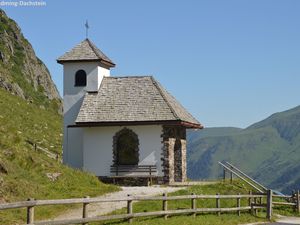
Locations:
(22, 73)
(287, 123)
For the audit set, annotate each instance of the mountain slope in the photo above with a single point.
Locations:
(26, 173)
(29, 105)
(268, 150)
(21, 71)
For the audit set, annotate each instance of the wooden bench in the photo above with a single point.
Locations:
(143, 171)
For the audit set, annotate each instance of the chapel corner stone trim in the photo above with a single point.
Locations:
(174, 154)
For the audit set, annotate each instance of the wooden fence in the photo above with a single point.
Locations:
(241, 175)
(48, 153)
(255, 202)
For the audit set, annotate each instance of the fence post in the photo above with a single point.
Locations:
(238, 203)
(269, 204)
(193, 204)
(150, 171)
(231, 176)
(298, 202)
(260, 200)
(224, 175)
(252, 207)
(129, 208)
(255, 210)
(293, 198)
(85, 210)
(250, 201)
(165, 205)
(218, 205)
(30, 212)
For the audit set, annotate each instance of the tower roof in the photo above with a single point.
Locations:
(85, 51)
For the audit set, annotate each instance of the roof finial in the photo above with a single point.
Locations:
(87, 28)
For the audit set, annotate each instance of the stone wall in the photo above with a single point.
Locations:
(177, 160)
(183, 165)
(174, 154)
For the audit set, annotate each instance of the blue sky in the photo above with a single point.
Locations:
(230, 63)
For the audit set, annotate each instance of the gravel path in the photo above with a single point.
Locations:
(287, 220)
(281, 221)
(97, 209)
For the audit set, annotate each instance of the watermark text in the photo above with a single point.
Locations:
(24, 3)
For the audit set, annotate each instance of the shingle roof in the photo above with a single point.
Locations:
(132, 99)
(85, 51)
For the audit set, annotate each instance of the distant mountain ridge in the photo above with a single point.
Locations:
(287, 124)
(21, 72)
(268, 150)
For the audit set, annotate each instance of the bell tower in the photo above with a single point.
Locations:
(84, 67)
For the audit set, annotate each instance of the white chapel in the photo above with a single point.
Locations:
(120, 127)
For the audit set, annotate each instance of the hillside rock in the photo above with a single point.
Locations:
(3, 168)
(21, 72)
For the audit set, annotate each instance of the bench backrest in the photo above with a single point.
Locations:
(133, 169)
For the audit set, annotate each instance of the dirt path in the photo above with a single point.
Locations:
(97, 209)
(282, 220)
(287, 220)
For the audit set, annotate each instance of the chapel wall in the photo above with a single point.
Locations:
(98, 147)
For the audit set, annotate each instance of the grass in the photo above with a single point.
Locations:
(202, 218)
(23, 171)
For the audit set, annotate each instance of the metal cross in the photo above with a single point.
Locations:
(87, 28)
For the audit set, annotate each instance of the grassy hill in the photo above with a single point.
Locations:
(202, 218)
(23, 171)
(268, 150)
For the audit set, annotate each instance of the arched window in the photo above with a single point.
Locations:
(126, 148)
(80, 78)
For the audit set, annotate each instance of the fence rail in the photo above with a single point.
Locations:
(232, 167)
(253, 206)
(50, 154)
(143, 214)
(240, 175)
(32, 202)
